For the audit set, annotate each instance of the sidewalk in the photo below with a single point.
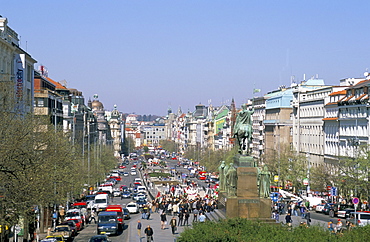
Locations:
(159, 234)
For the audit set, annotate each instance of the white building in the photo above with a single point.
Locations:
(16, 72)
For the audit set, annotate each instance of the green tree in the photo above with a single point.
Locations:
(169, 145)
(291, 167)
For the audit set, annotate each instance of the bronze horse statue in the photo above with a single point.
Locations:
(243, 129)
(244, 137)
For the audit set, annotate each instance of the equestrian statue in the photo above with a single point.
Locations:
(243, 129)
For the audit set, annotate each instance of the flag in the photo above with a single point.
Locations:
(158, 194)
(256, 90)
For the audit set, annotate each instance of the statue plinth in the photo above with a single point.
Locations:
(247, 203)
(244, 161)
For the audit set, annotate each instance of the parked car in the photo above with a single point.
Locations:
(319, 207)
(63, 230)
(359, 218)
(78, 222)
(132, 207)
(72, 225)
(125, 173)
(345, 210)
(329, 209)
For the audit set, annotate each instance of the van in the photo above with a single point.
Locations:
(119, 210)
(359, 218)
(108, 223)
(101, 202)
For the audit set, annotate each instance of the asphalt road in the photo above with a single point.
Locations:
(90, 230)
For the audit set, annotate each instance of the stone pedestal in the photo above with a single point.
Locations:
(247, 203)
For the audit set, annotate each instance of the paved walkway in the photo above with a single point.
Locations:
(159, 234)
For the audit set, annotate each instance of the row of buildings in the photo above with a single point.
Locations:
(321, 121)
(26, 90)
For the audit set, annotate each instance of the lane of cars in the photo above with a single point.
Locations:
(110, 217)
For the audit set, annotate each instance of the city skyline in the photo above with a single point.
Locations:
(147, 56)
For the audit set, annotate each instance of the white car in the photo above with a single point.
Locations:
(133, 173)
(132, 207)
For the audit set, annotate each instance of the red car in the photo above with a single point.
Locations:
(122, 167)
(78, 222)
(117, 178)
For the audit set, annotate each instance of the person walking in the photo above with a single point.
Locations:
(288, 220)
(308, 217)
(139, 228)
(173, 225)
(163, 220)
(149, 233)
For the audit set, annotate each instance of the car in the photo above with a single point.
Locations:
(329, 209)
(132, 207)
(126, 194)
(141, 202)
(126, 213)
(49, 240)
(133, 173)
(359, 218)
(202, 177)
(139, 196)
(123, 188)
(122, 166)
(78, 222)
(63, 230)
(72, 225)
(116, 193)
(58, 238)
(108, 223)
(125, 173)
(99, 238)
(319, 207)
(344, 210)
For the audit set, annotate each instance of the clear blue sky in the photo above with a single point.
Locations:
(145, 56)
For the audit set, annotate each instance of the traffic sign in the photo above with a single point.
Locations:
(334, 191)
(355, 200)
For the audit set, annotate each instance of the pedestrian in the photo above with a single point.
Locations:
(93, 216)
(163, 220)
(202, 218)
(148, 214)
(181, 218)
(308, 217)
(331, 226)
(149, 233)
(288, 220)
(277, 217)
(186, 216)
(339, 226)
(195, 213)
(139, 228)
(173, 225)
